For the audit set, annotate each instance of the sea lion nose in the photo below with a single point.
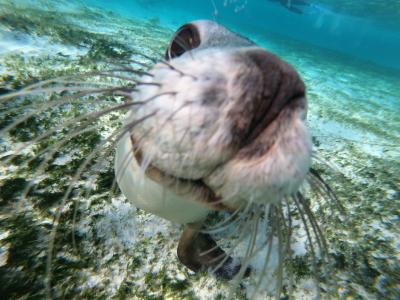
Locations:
(280, 78)
(281, 86)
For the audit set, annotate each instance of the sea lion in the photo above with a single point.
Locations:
(227, 131)
(218, 124)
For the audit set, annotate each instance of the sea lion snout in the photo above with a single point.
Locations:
(225, 115)
(278, 86)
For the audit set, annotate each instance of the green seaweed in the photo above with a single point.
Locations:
(10, 188)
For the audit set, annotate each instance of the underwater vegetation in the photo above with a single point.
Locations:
(104, 246)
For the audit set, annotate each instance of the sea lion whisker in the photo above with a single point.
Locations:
(73, 226)
(118, 174)
(88, 189)
(322, 243)
(68, 83)
(222, 258)
(216, 201)
(265, 267)
(57, 89)
(310, 242)
(289, 250)
(324, 250)
(114, 187)
(54, 149)
(136, 52)
(285, 253)
(327, 189)
(173, 68)
(131, 61)
(221, 228)
(270, 214)
(319, 237)
(263, 244)
(287, 229)
(38, 85)
(58, 216)
(126, 161)
(240, 220)
(45, 135)
(34, 104)
(320, 196)
(212, 249)
(130, 79)
(315, 155)
(281, 255)
(256, 251)
(49, 105)
(126, 94)
(125, 69)
(49, 156)
(228, 220)
(304, 214)
(181, 42)
(118, 133)
(319, 190)
(316, 184)
(129, 157)
(138, 152)
(79, 130)
(315, 173)
(161, 61)
(249, 252)
(90, 117)
(227, 254)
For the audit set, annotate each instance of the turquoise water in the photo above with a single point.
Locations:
(347, 52)
(367, 30)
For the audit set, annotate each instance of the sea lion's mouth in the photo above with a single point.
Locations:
(197, 189)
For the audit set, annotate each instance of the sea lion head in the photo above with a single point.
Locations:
(225, 113)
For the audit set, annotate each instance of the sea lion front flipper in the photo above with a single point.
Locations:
(199, 252)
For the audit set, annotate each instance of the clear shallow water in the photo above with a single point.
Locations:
(348, 57)
(367, 29)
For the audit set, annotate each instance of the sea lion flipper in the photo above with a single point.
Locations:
(199, 252)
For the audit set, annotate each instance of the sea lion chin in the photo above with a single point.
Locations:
(227, 130)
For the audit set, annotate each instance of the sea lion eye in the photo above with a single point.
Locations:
(186, 38)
